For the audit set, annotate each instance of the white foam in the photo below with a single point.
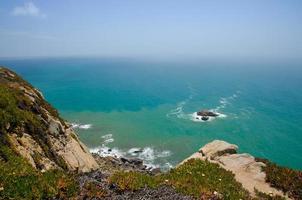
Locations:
(148, 154)
(81, 126)
(105, 151)
(197, 118)
(179, 110)
(134, 151)
(107, 136)
(107, 139)
(164, 154)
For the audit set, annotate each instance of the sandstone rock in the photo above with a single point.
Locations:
(218, 148)
(246, 169)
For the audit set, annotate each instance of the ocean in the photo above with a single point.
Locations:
(145, 109)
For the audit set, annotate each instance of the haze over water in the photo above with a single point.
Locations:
(129, 105)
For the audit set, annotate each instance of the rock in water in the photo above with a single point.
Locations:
(206, 113)
(205, 118)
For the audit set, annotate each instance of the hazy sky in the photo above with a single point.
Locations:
(268, 29)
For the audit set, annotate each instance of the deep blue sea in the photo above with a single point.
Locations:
(144, 108)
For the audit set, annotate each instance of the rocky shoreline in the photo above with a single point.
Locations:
(247, 170)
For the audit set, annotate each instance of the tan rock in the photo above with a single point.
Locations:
(246, 169)
(218, 148)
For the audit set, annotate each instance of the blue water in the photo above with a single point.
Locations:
(125, 104)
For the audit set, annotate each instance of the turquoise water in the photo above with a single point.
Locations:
(124, 104)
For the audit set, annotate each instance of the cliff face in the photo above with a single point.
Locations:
(33, 128)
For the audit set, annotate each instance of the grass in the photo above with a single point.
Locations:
(17, 114)
(200, 179)
(195, 177)
(19, 180)
(283, 178)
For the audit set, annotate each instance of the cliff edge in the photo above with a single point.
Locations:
(33, 128)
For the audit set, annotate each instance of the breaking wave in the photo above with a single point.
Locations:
(150, 156)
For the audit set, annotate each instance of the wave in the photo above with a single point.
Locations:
(150, 156)
(107, 139)
(223, 103)
(179, 110)
(81, 126)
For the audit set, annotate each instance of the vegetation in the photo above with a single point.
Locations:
(283, 178)
(19, 180)
(18, 114)
(263, 196)
(195, 177)
(92, 190)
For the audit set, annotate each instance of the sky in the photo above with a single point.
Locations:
(212, 29)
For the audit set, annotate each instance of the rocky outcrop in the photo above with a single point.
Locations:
(246, 169)
(206, 113)
(41, 136)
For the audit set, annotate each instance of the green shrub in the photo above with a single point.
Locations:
(19, 180)
(283, 178)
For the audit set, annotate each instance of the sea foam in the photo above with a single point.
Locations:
(223, 103)
(81, 126)
(152, 158)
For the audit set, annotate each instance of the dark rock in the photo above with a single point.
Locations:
(138, 151)
(206, 113)
(136, 161)
(113, 186)
(22, 105)
(205, 118)
(156, 171)
(36, 109)
(124, 160)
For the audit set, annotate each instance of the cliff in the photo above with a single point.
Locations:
(33, 128)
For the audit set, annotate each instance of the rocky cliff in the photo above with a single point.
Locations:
(33, 128)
